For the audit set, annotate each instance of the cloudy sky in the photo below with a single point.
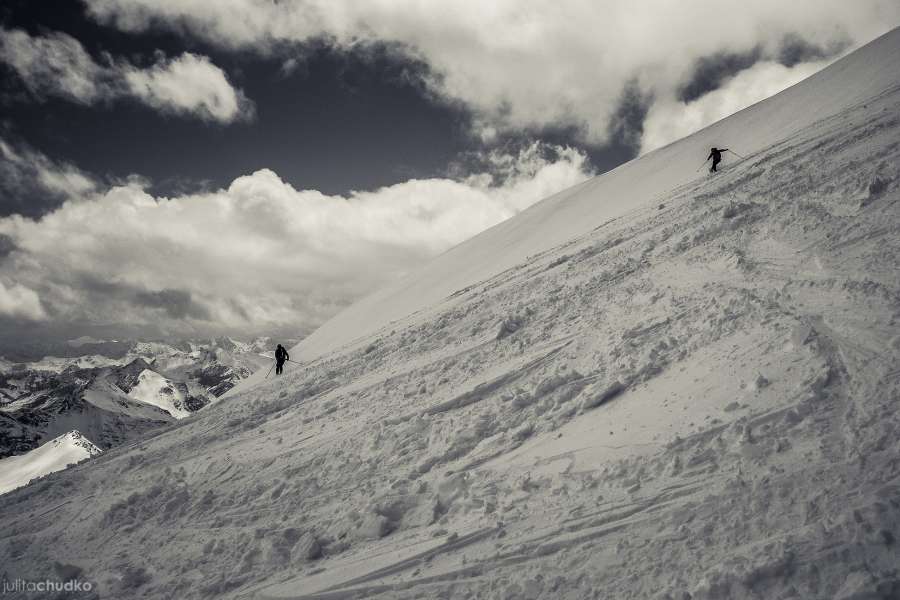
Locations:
(184, 167)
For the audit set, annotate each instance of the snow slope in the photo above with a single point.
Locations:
(655, 385)
(57, 454)
(578, 210)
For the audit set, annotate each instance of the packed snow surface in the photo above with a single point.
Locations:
(57, 454)
(658, 384)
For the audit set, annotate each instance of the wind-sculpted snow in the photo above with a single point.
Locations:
(694, 399)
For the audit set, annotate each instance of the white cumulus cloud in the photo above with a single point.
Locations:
(58, 65)
(669, 120)
(524, 64)
(189, 84)
(55, 64)
(19, 302)
(259, 254)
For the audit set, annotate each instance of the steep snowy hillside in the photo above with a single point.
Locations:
(69, 448)
(658, 384)
(602, 200)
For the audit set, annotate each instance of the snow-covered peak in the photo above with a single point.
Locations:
(57, 454)
(153, 349)
(153, 388)
(76, 439)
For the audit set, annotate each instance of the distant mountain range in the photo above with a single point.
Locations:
(114, 391)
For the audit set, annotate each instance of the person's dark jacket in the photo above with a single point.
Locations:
(281, 354)
(716, 154)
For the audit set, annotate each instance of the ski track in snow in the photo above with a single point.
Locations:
(696, 399)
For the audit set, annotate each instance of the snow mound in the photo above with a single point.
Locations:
(69, 448)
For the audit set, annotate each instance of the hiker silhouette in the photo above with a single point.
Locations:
(716, 155)
(281, 355)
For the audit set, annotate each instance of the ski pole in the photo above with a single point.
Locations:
(273, 358)
(269, 371)
(703, 165)
(736, 154)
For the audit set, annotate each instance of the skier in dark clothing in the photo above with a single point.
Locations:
(281, 355)
(716, 155)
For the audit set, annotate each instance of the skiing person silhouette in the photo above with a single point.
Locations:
(281, 355)
(716, 155)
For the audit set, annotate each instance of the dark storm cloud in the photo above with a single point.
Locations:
(795, 50)
(711, 71)
(626, 126)
(7, 246)
(178, 304)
